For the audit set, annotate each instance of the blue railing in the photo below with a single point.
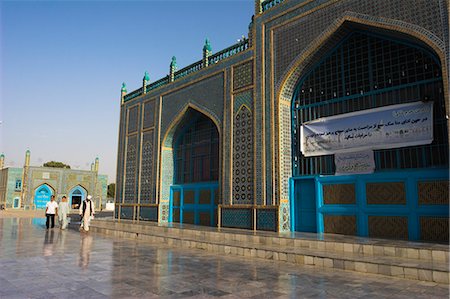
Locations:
(158, 83)
(196, 66)
(269, 4)
(133, 94)
(230, 51)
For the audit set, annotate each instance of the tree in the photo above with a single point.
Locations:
(111, 190)
(56, 164)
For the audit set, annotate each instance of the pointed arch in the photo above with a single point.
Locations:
(167, 139)
(286, 87)
(243, 106)
(76, 195)
(46, 185)
(185, 124)
(42, 194)
(196, 149)
(78, 189)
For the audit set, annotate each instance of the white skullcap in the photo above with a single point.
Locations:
(89, 196)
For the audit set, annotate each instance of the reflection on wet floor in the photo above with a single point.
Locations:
(39, 222)
(85, 250)
(71, 264)
(48, 242)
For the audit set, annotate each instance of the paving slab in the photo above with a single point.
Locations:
(40, 263)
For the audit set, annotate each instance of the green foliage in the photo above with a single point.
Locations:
(56, 164)
(111, 190)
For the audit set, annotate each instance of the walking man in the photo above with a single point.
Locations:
(63, 211)
(86, 212)
(51, 209)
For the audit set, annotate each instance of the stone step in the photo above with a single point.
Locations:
(337, 243)
(412, 260)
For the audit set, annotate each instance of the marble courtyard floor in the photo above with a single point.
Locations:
(40, 263)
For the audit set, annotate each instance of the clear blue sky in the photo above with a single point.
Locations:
(63, 62)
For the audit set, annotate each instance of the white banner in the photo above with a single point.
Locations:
(380, 128)
(354, 163)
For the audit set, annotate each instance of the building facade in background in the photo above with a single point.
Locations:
(31, 187)
(332, 116)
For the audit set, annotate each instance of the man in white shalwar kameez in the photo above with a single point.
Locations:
(87, 211)
(63, 212)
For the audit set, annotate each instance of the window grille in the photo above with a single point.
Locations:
(197, 152)
(366, 71)
(18, 185)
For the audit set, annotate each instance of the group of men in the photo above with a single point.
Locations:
(86, 211)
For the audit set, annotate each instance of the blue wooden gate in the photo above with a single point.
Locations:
(194, 203)
(410, 204)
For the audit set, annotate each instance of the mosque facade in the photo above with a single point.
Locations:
(30, 187)
(331, 117)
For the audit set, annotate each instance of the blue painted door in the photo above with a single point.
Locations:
(42, 196)
(16, 203)
(305, 206)
(194, 204)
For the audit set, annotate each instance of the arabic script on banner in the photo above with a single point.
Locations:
(354, 163)
(380, 128)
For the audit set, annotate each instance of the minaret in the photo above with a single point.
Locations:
(23, 195)
(173, 68)
(92, 166)
(145, 81)
(96, 164)
(95, 194)
(207, 52)
(123, 92)
(2, 161)
(27, 158)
